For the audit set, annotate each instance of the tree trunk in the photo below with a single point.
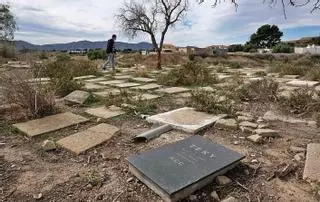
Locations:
(159, 59)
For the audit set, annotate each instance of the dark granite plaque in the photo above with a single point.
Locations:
(176, 170)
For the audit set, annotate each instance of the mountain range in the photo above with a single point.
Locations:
(20, 45)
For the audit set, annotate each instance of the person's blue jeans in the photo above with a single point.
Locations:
(111, 59)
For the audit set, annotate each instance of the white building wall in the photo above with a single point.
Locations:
(310, 49)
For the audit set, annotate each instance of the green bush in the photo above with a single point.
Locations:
(235, 48)
(211, 102)
(97, 54)
(191, 57)
(282, 48)
(63, 57)
(235, 65)
(43, 56)
(190, 73)
(7, 50)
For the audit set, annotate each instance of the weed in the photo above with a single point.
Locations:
(313, 74)
(301, 101)
(142, 72)
(191, 73)
(260, 73)
(287, 69)
(221, 69)
(63, 57)
(43, 56)
(93, 178)
(35, 100)
(211, 102)
(235, 65)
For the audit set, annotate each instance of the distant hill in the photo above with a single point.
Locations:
(20, 45)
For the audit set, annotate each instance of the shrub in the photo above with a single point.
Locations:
(7, 50)
(282, 48)
(313, 74)
(97, 54)
(265, 90)
(260, 73)
(221, 69)
(190, 73)
(43, 56)
(63, 57)
(191, 57)
(288, 69)
(301, 101)
(211, 102)
(142, 72)
(235, 48)
(35, 100)
(235, 65)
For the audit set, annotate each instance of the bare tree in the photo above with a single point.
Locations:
(152, 17)
(284, 3)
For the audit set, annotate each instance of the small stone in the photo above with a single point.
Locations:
(263, 126)
(248, 124)
(227, 124)
(193, 197)
(246, 172)
(89, 186)
(260, 120)
(99, 120)
(254, 161)
(223, 180)
(48, 145)
(267, 133)
(255, 138)
(245, 118)
(297, 149)
(130, 179)
(214, 195)
(37, 196)
(236, 142)
(246, 129)
(230, 199)
(299, 157)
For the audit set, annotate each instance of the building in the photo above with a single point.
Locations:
(313, 49)
(169, 48)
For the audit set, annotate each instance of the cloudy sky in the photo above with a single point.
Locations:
(59, 21)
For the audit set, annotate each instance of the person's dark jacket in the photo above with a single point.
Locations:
(111, 46)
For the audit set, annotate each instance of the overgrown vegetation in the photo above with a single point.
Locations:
(97, 54)
(7, 49)
(63, 57)
(142, 72)
(191, 73)
(35, 100)
(282, 48)
(212, 102)
(62, 72)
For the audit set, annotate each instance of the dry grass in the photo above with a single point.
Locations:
(211, 102)
(167, 59)
(189, 74)
(34, 100)
(142, 72)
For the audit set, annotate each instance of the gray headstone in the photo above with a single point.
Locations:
(176, 170)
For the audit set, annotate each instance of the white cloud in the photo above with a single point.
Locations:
(51, 21)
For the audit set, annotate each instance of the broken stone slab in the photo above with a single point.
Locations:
(173, 90)
(107, 92)
(186, 119)
(248, 124)
(153, 133)
(49, 124)
(230, 199)
(126, 85)
(311, 170)
(267, 133)
(299, 157)
(302, 83)
(297, 149)
(124, 77)
(245, 118)
(255, 79)
(92, 86)
(146, 96)
(48, 145)
(223, 180)
(77, 97)
(183, 95)
(39, 80)
(144, 80)
(291, 76)
(208, 89)
(85, 140)
(95, 80)
(104, 112)
(105, 83)
(274, 116)
(87, 77)
(227, 124)
(151, 86)
(214, 195)
(255, 138)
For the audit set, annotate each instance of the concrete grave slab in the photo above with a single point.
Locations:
(95, 80)
(39, 80)
(84, 77)
(110, 82)
(146, 96)
(126, 85)
(208, 88)
(145, 80)
(311, 170)
(173, 90)
(302, 83)
(291, 76)
(107, 92)
(185, 119)
(85, 140)
(151, 86)
(123, 77)
(183, 95)
(92, 86)
(49, 124)
(256, 79)
(104, 112)
(77, 97)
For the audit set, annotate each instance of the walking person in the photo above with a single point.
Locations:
(111, 53)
